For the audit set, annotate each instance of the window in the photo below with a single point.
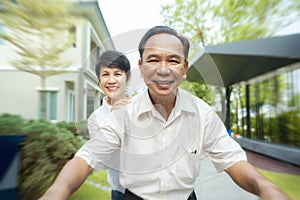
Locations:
(72, 32)
(94, 54)
(1, 31)
(274, 108)
(71, 106)
(90, 101)
(48, 105)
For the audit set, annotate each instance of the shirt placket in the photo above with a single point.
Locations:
(164, 184)
(165, 172)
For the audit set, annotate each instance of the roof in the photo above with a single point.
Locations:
(91, 10)
(231, 63)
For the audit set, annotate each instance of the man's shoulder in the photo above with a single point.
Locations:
(138, 97)
(193, 100)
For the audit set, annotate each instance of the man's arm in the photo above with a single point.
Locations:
(69, 179)
(246, 176)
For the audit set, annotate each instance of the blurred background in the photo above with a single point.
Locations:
(244, 61)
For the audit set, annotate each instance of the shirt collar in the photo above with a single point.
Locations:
(184, 101)
(105, 104)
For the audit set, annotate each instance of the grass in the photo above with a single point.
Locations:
(99, 177)
(87, 191)
(90, 192)
(290, 184)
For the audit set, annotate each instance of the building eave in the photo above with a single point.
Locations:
(91, 11)
(235, 62)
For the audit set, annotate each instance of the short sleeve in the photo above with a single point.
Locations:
(100, 150)
(221, 149)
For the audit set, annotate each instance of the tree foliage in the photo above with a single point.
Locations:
(200, 91)
(216, 22)
(221, 21)
(40, 32)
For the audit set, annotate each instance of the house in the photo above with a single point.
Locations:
(268, 71)
(71, 96)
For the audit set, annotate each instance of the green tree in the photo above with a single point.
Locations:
(216, 22)
(40, 32)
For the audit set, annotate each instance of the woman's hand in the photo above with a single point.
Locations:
(120, 103)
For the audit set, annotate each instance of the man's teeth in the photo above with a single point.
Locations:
(164, 82)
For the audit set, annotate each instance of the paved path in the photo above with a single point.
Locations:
(212, 185)
(270, 164)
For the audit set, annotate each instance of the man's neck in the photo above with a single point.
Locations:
(164, 104)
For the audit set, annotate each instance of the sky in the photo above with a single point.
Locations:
(291, 29)
(122, 16)
(127, 21)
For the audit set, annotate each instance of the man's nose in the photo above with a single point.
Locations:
(163, 68)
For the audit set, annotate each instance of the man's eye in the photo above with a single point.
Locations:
(174, 61)
(153, 60)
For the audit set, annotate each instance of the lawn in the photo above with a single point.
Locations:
(90, 192)
(290, 184)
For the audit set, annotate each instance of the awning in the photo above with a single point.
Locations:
(234, 62)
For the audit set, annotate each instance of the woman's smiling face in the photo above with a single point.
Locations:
(113, 82)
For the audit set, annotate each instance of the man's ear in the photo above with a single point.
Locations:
(186, 66)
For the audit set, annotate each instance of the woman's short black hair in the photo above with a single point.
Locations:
(113, 59)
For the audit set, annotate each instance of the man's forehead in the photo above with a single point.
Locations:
(161, 51)
(163, 38)
(163, 44)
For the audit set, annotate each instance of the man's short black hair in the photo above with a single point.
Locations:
(164, 29)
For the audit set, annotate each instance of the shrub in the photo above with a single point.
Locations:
(70, 126)
(45, 150)
(11, 124)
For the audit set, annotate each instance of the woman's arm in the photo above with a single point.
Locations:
(246, 176)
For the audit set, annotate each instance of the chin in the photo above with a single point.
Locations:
(164, 92)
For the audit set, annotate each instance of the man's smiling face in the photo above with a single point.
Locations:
(163, 66)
